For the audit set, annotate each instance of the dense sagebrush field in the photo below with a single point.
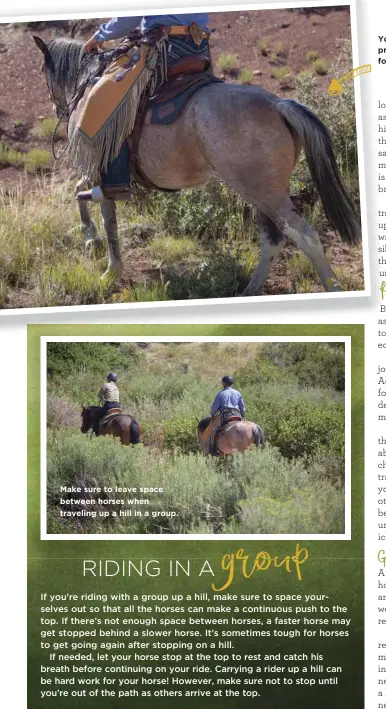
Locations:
(190, 245)
(295, 391)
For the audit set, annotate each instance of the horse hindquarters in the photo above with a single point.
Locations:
(316, 141)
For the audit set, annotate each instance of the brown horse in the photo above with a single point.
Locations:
(235, 436)
(121, 426)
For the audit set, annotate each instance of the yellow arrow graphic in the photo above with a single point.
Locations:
(336, 88)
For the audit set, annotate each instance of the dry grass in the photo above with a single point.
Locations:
(62, 412)
(34, 161)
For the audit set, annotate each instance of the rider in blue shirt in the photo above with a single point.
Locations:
(228, 398)
(119, 27)
(226, 404)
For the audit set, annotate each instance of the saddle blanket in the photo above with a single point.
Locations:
(166, 108)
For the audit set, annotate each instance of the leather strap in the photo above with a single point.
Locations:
(178, 30)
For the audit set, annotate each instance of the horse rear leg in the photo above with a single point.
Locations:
(300, 232)
(91, 237)
(109, 214)
(272, 241)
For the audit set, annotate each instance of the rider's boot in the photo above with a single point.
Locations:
(101, 194)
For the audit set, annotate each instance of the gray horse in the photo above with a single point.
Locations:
(242, 135)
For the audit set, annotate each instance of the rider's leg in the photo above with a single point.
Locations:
(97, 417)
(115, 180)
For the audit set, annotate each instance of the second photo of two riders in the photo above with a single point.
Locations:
(203, 437)
(207, 149)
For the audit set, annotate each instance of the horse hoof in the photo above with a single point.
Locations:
(249, 293)
(94, 246)
(112, 273)
(333, 286)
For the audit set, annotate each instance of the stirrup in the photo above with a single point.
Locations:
(96, 194)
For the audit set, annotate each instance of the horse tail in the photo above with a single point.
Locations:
(258, 435)
(135, 431)
(317, 143)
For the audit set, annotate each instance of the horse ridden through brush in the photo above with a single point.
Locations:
(114, 423)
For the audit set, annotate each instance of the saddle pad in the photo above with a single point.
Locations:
(110, 415)
(164, 112)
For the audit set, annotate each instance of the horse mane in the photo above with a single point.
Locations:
(89, 408)
(204, 423)
(68, 63)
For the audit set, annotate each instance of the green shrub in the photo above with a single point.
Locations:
(192, 487)
(181, 433)
(258, 492)
(264, 45)
(338, 114)
(313, 364)
(209, 215)
(305, 364)
(282, 73)
(37, 160)
(8, 156)
(44, 128)
(143, 293)
(68, 358)
(320, 66)
(229, 63)
(68, 282)
(299, 427)
(223, 272)
(246, 76)
(280, 497)
(312, 55)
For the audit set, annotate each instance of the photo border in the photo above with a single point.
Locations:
(360, 149)
(346, 535)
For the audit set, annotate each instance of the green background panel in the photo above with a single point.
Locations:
(334, 567)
